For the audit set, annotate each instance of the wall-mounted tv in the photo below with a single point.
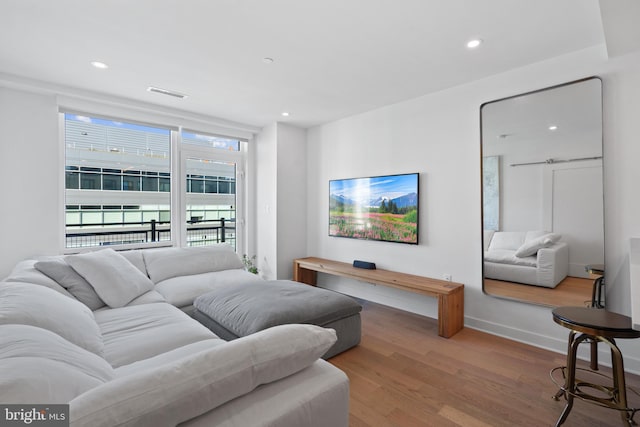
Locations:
(376, 208)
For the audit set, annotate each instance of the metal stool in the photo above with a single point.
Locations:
(597, 325)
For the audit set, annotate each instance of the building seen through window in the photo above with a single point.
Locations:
(118, 185)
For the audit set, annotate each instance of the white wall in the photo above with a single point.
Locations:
(266, 201)
(280, 199)
(29, 173)
(438, 135)
(292, 197)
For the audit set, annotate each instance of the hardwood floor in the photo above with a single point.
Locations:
(571, 291)
(404, 374)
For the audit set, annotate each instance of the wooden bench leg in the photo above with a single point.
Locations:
(450, 313)
(302, 275)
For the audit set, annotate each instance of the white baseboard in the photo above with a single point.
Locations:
(631, 364)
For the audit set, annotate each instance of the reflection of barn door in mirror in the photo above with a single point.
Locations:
(491, 192)
(573, 194)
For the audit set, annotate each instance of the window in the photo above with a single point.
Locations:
(119, 162)
(150, 181)
(164, 183)
(211, 141)
(112, 179)
(90, 179)
(118, 184)
(72, 177)
(131, 181)
(210, 176)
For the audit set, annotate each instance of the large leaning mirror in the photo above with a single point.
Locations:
(542, 195)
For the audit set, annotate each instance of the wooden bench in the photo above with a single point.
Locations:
(450, 295)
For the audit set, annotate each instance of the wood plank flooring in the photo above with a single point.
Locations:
(404, 374)
(571, 291)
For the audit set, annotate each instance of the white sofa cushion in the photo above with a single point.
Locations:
(531, 247)
(58, 269)
(25, 272)
(147, 298)
(139, 332)
(511, 240)
(27, 304)
(136, 258)
(302, 400)
(505, 256)
(166, 263)
(113, 277)
(39, 366)
(181, 291)
(168, 357)
(194, 385)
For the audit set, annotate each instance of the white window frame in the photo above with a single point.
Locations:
(186, 151)
(179, 154)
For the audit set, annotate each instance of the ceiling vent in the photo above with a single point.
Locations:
(166, 92)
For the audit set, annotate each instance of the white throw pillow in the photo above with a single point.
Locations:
(37, 366)
(551, 238)
(533, 246)
(188, 387)
(58, 269)
(27, 304)
(166, 263)
(114, 278)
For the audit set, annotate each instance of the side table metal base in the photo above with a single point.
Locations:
(615, 395)
(592, 325)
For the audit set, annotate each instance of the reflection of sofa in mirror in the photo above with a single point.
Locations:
(528, 257)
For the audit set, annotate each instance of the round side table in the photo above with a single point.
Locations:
(601, 326)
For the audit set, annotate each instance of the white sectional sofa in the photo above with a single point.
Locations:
(532, 257)
(114, 343)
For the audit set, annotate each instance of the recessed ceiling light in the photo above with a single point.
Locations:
(472, 44)
(553, 127)
(267, 60)
(285, 114)
(100, 65)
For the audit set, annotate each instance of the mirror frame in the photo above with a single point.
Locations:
(482, 197)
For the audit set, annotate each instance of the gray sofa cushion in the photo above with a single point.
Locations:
(250, 307)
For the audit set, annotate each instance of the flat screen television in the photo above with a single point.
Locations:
(381, 208)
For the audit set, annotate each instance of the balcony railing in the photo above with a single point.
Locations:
(199, 233)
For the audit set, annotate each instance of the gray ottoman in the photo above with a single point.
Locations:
(236, 310)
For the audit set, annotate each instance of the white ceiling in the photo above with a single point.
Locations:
(520, 125)
(333, 58)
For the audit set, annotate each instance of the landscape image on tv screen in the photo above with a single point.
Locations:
(376, 208)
